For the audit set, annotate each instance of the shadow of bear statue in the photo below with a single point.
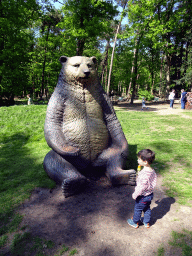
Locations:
(82, 129)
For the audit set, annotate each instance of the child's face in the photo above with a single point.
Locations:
(141, 162)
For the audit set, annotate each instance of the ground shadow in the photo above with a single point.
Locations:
(162, 208)
(131, 162)
(80, 217)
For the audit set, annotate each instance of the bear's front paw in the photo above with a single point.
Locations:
(132, 178)
(70, 150)
(123, 177)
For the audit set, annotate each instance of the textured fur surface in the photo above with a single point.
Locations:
(82, 129)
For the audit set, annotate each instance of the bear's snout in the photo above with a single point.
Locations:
(86, 72)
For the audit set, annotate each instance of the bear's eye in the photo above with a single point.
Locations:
(76, 65)
(89, 65)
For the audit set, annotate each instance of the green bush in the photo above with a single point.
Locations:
(144, 93)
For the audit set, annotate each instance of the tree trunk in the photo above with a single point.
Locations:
(161, 76)
(134, 69)
(104, 62)
(168, 71)
(152, 86)
(44, 63)
(80, 47)
(106, 78)
(112, 56)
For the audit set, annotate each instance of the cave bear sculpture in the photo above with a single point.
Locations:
(82, 129)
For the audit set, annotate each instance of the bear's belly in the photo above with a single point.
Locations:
(84, 127)
(90, 136)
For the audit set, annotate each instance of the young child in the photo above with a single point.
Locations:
(146, 181)
(143, 103)
(29, 102)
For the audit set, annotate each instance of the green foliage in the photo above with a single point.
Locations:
(34, 35)
(179, 240)
(162, 30)
(25, 242)
(23, 148)
(73, 252)
(86, 20)
(161, 251)
(19, 242)
(65, 249)
(16, 39)
(3, 240)
(146, 94)
(62, 250)
(183, 241)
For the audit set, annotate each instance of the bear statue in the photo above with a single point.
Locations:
(82, 130)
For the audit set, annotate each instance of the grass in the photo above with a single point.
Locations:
(171, 138)
(182, 240)
(25, 242)
(23, 148)
(179, 241)
(66, 249)
(161, 251)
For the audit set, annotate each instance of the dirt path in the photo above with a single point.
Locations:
(160, 108)
(95, 221)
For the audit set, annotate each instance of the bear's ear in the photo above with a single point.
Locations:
(94, 59)
(63, 59)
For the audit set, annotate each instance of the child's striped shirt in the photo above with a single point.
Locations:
(146, 181)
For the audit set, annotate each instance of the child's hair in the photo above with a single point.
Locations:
(146, 155)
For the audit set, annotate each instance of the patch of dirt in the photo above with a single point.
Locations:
(95, 221)
(162, 108)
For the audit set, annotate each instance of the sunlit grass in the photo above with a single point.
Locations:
(22, 150)
(171, 138)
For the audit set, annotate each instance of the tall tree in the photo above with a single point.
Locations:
(85, 20)
(16, 40)
(49, 22)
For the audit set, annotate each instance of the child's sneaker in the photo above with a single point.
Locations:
(144, 223)
(132, 223)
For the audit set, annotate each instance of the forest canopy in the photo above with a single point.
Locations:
(147, 43)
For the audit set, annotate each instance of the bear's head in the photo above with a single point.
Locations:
(78, 69)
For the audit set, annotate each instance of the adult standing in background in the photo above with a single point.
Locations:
(171, 98)
(183, 98)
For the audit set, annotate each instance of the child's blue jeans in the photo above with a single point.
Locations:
(171, 103)
(142, 203)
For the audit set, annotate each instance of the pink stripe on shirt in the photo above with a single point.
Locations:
(146, 181)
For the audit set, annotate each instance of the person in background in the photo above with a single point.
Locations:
(29, 102)
(171, 98)
(183, 98)
(143, 103)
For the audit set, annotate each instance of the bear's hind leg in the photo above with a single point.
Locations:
(63, 172)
